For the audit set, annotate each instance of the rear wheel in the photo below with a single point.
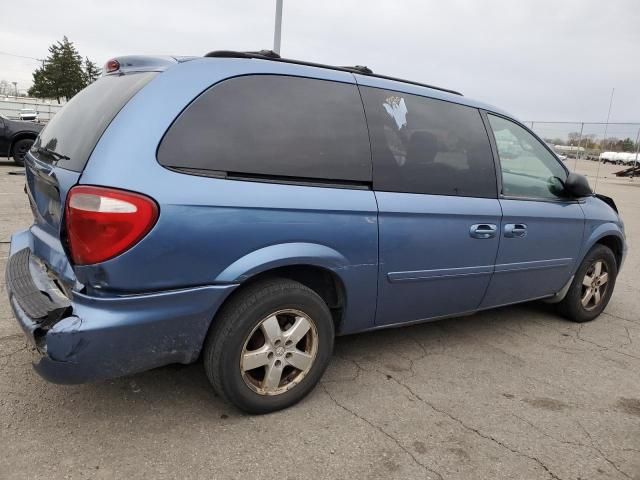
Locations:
(592, 286)
(269, 346)
(20, 149)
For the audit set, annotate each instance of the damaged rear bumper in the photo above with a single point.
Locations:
(93, 338)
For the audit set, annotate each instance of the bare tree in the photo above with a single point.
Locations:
(5, 87)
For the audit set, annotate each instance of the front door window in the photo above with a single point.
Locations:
(529, 170)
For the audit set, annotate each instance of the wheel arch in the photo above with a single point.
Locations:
(20, 136)
(316, 266)
(609, 235)
(615, 244)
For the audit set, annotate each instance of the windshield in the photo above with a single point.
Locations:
(74, 131)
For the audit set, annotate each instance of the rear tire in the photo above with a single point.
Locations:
(592, 286)
(253, 356)
(20, 149)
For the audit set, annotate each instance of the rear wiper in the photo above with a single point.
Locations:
(57, 156)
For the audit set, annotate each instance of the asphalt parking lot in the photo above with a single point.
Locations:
(512, 393)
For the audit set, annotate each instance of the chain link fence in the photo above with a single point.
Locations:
(594, 149)
(614, 143)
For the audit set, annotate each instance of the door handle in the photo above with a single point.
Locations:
(483, 230)
(515, 230)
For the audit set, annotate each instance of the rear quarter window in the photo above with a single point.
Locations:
(273, 125)
(77, 127)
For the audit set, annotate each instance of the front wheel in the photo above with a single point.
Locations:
(592, 286)
(269, 345)
(20, 149)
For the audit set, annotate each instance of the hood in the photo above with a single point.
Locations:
(24, 126)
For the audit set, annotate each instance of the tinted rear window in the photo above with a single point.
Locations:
(75, 130)
(424, 145)
(273, 125)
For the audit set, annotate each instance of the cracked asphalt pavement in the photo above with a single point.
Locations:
(511, 393)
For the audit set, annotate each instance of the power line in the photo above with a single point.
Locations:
(21, 56)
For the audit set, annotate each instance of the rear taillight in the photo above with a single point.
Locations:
(102, 223)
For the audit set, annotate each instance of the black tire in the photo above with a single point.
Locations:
(571, 306)
(237, 321)
(20, 149)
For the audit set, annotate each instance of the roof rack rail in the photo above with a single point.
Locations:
(233, 54)
(360, 69)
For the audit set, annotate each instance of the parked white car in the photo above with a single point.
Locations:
(29, 114)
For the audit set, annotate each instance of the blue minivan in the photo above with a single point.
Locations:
(245, 209)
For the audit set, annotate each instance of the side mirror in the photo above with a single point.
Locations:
(577, 185)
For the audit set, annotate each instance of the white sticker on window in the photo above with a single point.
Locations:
(397, 109)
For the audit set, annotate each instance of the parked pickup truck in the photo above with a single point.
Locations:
(16, 138)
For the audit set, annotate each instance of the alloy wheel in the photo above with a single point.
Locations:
(22, 150)
(279, 352)
(594, 285)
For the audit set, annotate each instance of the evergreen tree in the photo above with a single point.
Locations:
(91, 71)
(63, 73)
(42, 85)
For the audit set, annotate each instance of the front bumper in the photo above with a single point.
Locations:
(95, 338)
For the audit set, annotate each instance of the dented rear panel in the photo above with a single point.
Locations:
(59, 155)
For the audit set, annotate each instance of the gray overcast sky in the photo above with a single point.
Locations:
(538, 59)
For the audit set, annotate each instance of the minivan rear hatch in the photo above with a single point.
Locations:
(59, 155)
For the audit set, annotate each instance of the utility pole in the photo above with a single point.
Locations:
(575, 166)
(604, 139)
(15, 88)
(635, 162)
(278, 27)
